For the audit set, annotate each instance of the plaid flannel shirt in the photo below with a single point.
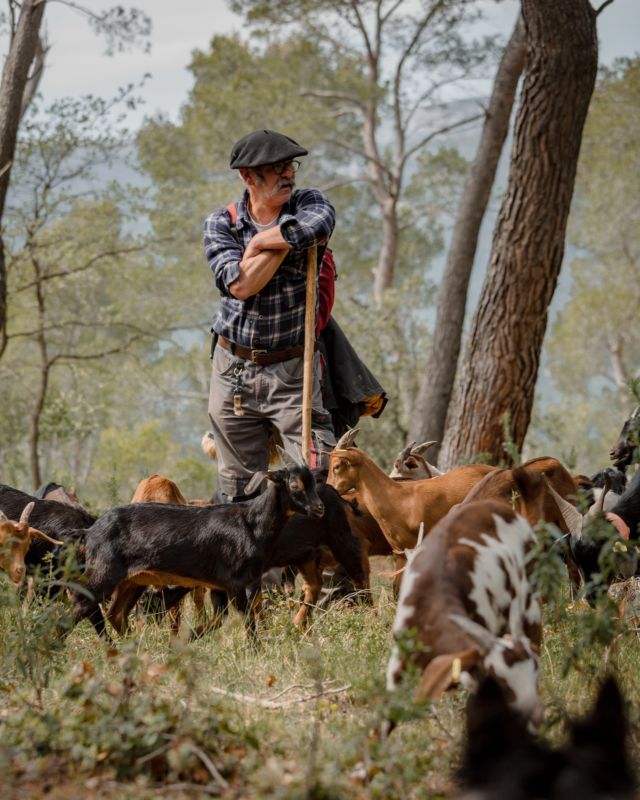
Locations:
(272, 319)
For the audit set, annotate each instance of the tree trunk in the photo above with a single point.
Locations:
(500, 367)
(15, 77)
(385, 268)
(39, 389)
(430, 409)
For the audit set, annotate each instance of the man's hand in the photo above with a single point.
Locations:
(271, 239)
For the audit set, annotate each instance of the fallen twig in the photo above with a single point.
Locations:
(207, 788)
(259, 701)
(217, 777)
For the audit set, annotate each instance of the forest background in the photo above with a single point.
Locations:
(104, 378)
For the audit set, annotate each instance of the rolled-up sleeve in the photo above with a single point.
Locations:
(313, 220)
(222, 250)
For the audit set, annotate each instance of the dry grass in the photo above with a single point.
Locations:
(148, 719)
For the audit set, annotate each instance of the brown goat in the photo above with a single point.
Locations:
(15, 538)
(501, 485)
(400, 506)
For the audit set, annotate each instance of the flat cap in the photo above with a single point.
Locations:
(263, 147)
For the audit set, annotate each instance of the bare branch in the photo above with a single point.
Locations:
(429, 137)
(603, 6)
(322, 94)
(93, 356)
(87, 265)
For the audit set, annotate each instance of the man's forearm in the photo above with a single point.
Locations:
(256, 272)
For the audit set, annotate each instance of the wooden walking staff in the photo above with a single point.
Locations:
(309, 345)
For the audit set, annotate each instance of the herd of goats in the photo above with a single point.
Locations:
(466, 611)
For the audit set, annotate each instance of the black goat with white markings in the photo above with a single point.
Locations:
(217, 547)
(590, 532)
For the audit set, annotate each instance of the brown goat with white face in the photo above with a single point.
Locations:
(15, 538)
(411, 463)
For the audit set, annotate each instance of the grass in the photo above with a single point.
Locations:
(146, 718)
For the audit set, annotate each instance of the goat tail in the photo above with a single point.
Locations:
(209, 446)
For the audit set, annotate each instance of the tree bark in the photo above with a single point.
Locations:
(15, 76)
(500, 367)
(430, 409)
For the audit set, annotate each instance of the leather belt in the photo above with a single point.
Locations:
(263, 357)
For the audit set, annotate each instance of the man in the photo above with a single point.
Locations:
(259, 264)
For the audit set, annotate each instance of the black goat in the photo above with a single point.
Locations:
(58, 520)
(627, 447)
(503, 760)
(301, 544)
(589, 534)
(219, 547)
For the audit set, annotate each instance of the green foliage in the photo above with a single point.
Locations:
(594, 346)
(143, 715)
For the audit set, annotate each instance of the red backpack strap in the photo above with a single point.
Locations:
(326, 290)
(232, 210)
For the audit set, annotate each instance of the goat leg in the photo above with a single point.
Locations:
(312, 577)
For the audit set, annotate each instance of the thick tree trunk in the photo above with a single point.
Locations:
(430, 409)
(15, 77)
(500, 367)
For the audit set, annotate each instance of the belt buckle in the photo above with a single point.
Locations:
(255, 354)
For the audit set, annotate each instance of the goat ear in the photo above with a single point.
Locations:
(605, 727)
(480, 635)
(254, 482)
(289, 462)
(26, 512)
(492, 725)
(40, 535)
(3, 517)
(443, 672)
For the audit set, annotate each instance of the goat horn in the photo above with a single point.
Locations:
(3, 517)
(26, 512)
(420, 534)
(347, 439)
(420, 448)
(406, 452)
(599, 510)
(570, 514)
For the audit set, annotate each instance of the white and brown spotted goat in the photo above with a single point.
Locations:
(465, 591)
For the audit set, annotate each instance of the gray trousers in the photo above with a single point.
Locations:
(270, 396)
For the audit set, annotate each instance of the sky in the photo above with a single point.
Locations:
(76, 63)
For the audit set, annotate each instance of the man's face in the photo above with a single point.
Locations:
(275, 181)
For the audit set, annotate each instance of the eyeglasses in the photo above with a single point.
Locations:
(281, 167)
